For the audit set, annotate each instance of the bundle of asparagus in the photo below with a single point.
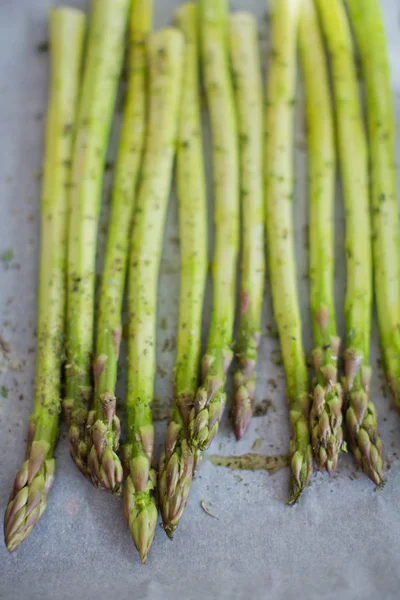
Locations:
(105, 48)
(104, 432)
(157, 118)
(177, 459)
(34, 480)
(278, 172)
(361, 417)
(165, 57)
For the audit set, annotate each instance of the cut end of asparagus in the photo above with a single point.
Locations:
(28, 498)
(174, 477)
(140, 504)
(365, 443)
(326, 411)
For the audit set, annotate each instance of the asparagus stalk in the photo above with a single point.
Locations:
(353, 156)
(102, 69)
(176, 462)
(366, 20)
(326, 409)
(165, 56)
(34, 480)
(104, 464)
(279, 201)
(249, 100)
(210, 398)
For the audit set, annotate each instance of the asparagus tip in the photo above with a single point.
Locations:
(295, 492)
(103, 462)
(28, 498)
(140, 509)
(175, 477)
(365, 443)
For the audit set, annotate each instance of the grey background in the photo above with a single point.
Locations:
(343, 538)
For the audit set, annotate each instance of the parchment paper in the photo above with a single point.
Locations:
(341, 541)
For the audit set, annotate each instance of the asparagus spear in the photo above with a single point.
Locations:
(361, 415)
(366, 20)
(104, 464)
(102, 69)
(326, 409)
(176, 462)
(34, 480)
(165, 56)
(249, 100)
(279, 201)
(210, 398)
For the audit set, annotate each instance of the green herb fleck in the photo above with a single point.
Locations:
(43, 46)
(7, 256)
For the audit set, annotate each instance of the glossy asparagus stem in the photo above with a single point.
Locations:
(366, 19)
(34, 480)
(165, 57)
(249, 101)
(176, 462)
(353, 157)
(326, 409)
(104, 433)
(278, 174)
(105, 49)
(210, 398)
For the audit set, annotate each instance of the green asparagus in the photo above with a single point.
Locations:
(105, 50)
(34, 480)
(326, 409)
(249, 101)
(104, 464)
(210, 398)
(279, 202)
(165, 56)
(369, 31)
(361, 417)
(176, 462)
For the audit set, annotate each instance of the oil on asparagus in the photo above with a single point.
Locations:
(249, 100)
(165, 58)
(34, 480)
(326, 409)
(177, 459)
(361, 418)
(105, 49)
(278, 173)
(104, 464)
(210, 398)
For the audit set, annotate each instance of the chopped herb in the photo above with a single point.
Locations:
(7, 256)
(43, 46)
